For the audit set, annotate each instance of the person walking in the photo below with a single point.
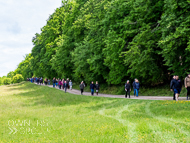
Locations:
(187, 85)
(137, 86)
(45, 81)
(172, 87)
(83, 83)
(48, 81)
(81, 88)
(38, 80)
(60, 84)
(177, 87)
(67, 83)
(70, 84)
(134, 86)
(31, 80)
(65, 86)
(97, 87)
(63, 81)
(41, 80)
(54, 82)
(127, 88)
(92, 86)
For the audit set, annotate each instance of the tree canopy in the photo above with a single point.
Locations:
(113, 40)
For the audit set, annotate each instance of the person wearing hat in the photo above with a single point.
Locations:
(187, 85)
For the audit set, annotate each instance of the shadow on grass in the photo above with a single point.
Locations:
(16, 84)
(42, 95)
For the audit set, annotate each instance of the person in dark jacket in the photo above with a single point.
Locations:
(54, 82)
(63, 81)
(81, 87)
(137, 86)
(65, 86)
(92, 86)
(45, 81)
(127, 89)
(41, 80)
(67, 83)
(177, 84)
(134, 86)
(83, 83)
(172, 87)
(38, 80)
(97, 86)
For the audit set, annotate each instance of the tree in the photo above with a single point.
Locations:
(6, 81)
(17, 78)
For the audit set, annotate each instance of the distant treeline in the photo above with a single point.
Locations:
(11, 78)
(112, 41)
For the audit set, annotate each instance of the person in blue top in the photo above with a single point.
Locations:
(177, 85)
(92, 86)
(134, 86)
(31, 80)
(137, 86)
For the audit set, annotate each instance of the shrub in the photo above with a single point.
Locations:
(7, 81)
(17, 78)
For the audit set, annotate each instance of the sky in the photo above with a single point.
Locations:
(19, 21)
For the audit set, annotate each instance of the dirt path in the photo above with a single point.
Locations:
(77, 92)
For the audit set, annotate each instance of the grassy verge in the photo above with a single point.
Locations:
(43, 114)
(119, 90)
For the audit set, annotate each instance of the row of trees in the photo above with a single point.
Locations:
(113, 40)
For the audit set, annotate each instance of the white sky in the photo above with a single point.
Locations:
(19, 21)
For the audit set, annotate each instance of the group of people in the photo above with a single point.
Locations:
(37, 80)
(63, 84)
(94, 86)
(66, 84)
(176, 86)
(136, 87)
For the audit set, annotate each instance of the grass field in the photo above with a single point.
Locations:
(31, 113)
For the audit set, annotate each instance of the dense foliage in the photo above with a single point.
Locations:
(17, 78)
(113, 40)
(6, 81)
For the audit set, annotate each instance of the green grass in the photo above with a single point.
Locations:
(119, 90)
(75, 118)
